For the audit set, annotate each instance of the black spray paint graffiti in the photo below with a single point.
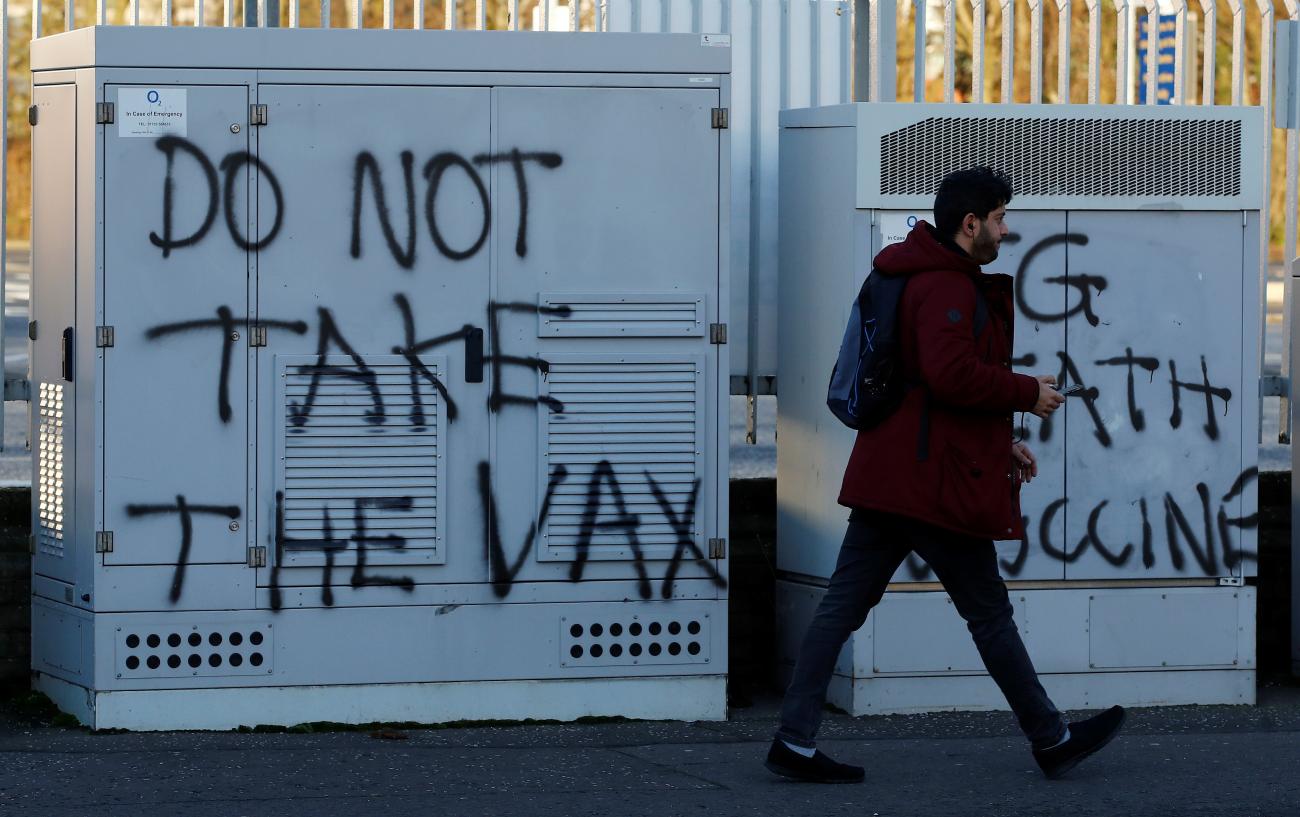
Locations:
(1149, 364)
(604, 491)
(1213, 542)
(330, 545)
(603, 481)
(1069, 374)
(329, 338)
(231, 165)
(186, 512)
(367, 168)
(222, 195)
(503, 569)
(1086, 286)
(225, 324)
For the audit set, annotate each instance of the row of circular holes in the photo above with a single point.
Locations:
(634, 629)
(195, 660)
(634, 649)
(174, 640)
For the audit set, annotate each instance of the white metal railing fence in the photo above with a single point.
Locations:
(793, 53)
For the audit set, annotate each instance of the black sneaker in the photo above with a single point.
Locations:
(1086, 737)
(819, 768)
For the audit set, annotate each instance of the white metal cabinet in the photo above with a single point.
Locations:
(323, 426)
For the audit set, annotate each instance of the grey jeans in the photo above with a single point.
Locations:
(874, 546)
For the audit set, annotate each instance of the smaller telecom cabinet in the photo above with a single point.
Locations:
(1135, 249)
(377, 375)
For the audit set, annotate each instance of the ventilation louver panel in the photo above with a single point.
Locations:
(1058, 156)
(360, 468)
(50, 469)
(622, 315)
(630, 426)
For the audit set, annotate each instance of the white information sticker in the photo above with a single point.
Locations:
(894, 227)
(151, 112)
(715, 40)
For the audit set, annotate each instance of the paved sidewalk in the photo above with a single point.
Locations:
(1180, 761)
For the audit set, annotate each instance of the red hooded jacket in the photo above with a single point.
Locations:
(958, 474)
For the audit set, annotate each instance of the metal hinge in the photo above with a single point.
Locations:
(104, 541)
(18, 389)
(1231, 581)
(105, 113)
(720, 118)
(257, 114)
(257, 557)
(103, 336)
(1273, 385)
(717, 548)
(31, 330)
(717, 333)
(32, 115)
(256, 335)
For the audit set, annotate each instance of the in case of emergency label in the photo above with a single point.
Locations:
(151, 112)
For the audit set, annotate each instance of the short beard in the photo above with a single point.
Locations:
(984, 249)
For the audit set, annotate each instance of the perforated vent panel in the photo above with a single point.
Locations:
(630, 426)
(626, 640)
(1047, 156)
(50, 469)
(361, 453)
(181, 650)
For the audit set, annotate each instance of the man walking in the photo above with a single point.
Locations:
(941, 476)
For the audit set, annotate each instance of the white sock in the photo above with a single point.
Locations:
(799, 749)
(1063, 739)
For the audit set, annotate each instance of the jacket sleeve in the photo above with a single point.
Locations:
(950, 366)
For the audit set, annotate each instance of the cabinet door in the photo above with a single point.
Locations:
(53, 409)
(176, 294)
(372, 279)
(1156, 478)
(607, 280)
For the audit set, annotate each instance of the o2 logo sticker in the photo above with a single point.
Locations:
(895, 226)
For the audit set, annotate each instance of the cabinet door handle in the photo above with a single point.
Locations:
(474, 356)
(67, 354)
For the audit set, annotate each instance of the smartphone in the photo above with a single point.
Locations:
(1069, 390)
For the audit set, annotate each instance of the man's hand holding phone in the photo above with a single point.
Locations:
(1049, 399)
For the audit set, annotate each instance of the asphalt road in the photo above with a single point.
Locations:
(1186, 761)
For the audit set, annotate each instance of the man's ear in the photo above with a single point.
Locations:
(970, 225)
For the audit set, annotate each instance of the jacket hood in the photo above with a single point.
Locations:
(922, 251)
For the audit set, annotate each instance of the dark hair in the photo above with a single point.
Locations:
(980, 190)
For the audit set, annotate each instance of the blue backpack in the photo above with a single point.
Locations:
(867, 383)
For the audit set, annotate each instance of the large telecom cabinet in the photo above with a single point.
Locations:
(377, 375)
(1135, 248)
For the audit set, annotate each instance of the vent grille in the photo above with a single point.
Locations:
(353, 467)
(1047, 156)
(603, 315)
(634, 420)
(50, 469)
(182, 651)
(606, 641)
